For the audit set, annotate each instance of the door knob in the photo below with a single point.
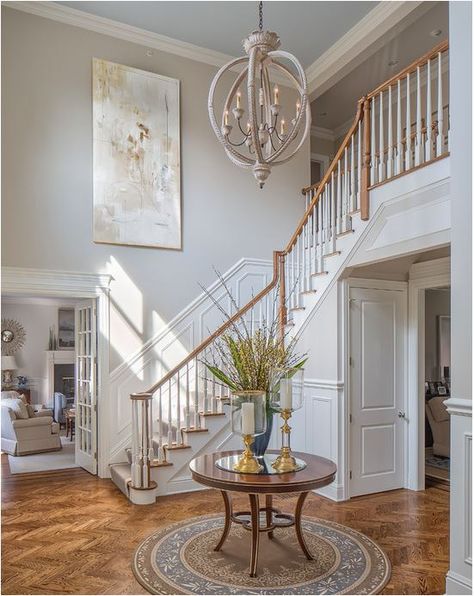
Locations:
(401, 414)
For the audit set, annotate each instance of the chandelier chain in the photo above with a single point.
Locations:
(260, 16)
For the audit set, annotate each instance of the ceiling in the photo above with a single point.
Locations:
(307, 29)
(398, 269)
(337, 105)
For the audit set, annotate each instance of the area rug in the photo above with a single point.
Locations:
(437, 461)
(180, 559)
(42, 462)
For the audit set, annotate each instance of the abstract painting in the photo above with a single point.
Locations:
(136, 144)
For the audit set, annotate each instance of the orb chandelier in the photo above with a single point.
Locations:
(258, 132)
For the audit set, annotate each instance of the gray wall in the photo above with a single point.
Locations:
(47, 178)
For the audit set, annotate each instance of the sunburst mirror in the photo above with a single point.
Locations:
(13, 336)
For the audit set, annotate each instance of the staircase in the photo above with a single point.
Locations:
(399, 127)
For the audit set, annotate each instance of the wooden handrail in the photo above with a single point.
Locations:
(363, 114)
(441, 47)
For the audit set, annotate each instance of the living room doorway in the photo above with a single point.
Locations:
(58, 371)
(437, 385)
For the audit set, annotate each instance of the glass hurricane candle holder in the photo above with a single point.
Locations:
(249, 420)
(286, 397)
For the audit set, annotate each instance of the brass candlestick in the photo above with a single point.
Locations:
(247, 463)
(285, 462)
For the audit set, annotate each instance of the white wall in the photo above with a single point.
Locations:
(437, 302)
(36, 317)
(459, 578)
(47, 179)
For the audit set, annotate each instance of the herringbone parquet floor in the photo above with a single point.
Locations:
(68, 532)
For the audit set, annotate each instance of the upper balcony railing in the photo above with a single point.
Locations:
(401, 125)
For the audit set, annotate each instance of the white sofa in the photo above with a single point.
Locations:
(23, 436)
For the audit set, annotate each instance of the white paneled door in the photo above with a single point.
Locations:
(377, 343)
(86, 385)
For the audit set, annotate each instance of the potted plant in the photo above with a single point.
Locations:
(246, 357)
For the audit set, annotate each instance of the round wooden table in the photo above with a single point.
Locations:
(318, 472)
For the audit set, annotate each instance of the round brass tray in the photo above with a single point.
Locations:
(227, 464)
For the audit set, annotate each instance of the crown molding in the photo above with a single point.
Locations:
(323, 133)
(46, 282)
(142, 37)
(354, 45)
(323, 73)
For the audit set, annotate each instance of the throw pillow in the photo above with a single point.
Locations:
(17, 406)
(31, 411)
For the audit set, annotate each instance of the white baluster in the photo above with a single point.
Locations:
(399, 162)
(197, 418)
(320, 234)
(178, 410)
(339, 207)
(303, 272)
(170, 416)
(429, 139)
(439, 139)
(161, 452)
(359, 163)
(187, 421)
(373, 161)
(418, 139)
(345, 192)
(333, 208)
(390, 136)
(408, 128)
(381, 141)
(353, 187)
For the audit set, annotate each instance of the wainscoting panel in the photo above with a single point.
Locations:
(172, 343)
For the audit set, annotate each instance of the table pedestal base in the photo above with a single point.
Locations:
(274, 518)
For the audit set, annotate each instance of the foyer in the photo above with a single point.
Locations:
(79, 534)
(256, 241)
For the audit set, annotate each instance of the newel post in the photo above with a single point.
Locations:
(365, 174)
(142, 447)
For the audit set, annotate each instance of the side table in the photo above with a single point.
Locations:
(318, 472)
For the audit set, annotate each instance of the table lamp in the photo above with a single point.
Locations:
(8, 367)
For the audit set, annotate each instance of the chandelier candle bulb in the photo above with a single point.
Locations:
(286, 395)
(275, 95)
(248, 419)
(226, 118)
(261, 97)
(237, 99)
(282, 127)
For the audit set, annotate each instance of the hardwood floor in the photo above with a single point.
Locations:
(68, 532)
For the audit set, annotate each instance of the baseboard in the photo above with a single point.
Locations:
(458, 584)
(333, 491)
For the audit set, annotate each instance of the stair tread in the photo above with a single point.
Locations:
(212, 413)
(346, 233)
(333, 254)
(175, 447)
(309, 292)
(298, 308)
(320, 273)
(195, 430)
(160, 464)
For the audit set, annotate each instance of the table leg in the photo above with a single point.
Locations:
(269, 514)
(228, 520)
(299, 532)
(254, 507)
